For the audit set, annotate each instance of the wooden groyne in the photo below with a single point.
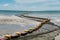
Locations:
(18, 34)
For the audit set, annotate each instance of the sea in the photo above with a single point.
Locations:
(54, 17)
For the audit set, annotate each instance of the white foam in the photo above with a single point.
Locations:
(8, 17)
(15, 20)
(55, 18)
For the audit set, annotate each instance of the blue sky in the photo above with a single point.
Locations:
(30, 5)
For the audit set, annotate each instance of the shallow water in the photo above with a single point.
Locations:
(53, 15)
(17, 24)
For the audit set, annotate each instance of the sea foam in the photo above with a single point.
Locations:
(4, 19)
(55, 18)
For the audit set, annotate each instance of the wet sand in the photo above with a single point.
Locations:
(41, 35)
(38, 36)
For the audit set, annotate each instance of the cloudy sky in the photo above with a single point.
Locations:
(30, 5)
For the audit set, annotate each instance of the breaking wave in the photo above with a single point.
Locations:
(55, 18)
(5, 19)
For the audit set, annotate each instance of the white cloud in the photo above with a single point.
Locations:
(5, 5)
(29, 1)
(32, 5)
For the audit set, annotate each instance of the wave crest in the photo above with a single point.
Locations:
(15, 20)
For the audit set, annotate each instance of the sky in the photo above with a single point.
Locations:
(30, 5)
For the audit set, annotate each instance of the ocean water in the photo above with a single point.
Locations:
(53, 15)
(13, 21)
